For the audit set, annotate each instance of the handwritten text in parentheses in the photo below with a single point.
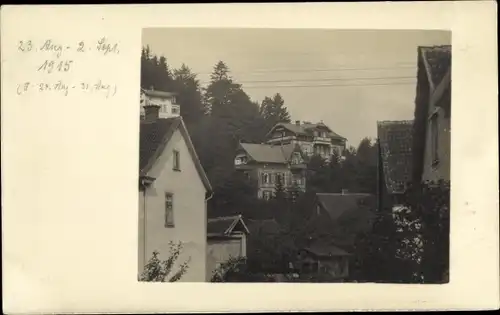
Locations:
(100, 88)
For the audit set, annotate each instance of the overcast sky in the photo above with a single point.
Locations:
(319, 73)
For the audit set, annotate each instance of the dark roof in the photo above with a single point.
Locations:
(307, 129)
(156, 93)
(267, 226)
(323, 249)
(433, 87)
(437, 60)
(225, 225)
(268, 153)
(154, 136)
(336, 205)
(395, 142)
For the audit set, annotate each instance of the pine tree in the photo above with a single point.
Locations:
(189, 94)
(273, 110)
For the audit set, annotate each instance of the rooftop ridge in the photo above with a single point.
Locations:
(392, 122)
(233, 217)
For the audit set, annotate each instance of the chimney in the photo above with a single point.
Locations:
(297, 122)
(344, 191)
(151, 113)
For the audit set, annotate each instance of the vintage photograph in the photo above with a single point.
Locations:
(294, 155)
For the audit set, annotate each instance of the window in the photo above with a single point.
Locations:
(265, 178)
(434, 139)
(266, 194)
(177, 161)
(175, 110)
(169, 210)
(297, 179)
(279, 177)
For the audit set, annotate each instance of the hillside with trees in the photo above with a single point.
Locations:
(222, 114)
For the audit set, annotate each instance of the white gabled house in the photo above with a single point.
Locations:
(173, 194)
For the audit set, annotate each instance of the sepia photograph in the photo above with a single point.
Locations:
(294, 155)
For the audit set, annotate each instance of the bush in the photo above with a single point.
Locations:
(236, 270)
(160, 271)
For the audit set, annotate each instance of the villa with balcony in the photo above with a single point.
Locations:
(267, 163)
(165, 100)
(313, 139)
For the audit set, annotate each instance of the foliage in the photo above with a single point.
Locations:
(430, 202)
(280, 192)
(273, 110)
(161, 271)
(356, 171)
(410, 245)
(235, 269)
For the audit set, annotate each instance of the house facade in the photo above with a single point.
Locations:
(266, 164)
(173, 193)
(227, 238)
(432, 137)
(313, 139)
(165, 100)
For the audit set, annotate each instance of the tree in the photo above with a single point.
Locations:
(273, 110)
(279, 189)
(429, 203)
(160, 271)
(155, 72)
(189, 95)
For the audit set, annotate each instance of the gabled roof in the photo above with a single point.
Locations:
(337, 205)
(395, 152)
(154, 137)
(225, 225)
(307, 129)
(323, 249)
(269, 153)
(437, 62)
(433, 89)
(156, 93)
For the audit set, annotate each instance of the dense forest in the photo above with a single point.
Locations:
(221, 114)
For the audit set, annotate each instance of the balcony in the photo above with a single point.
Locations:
(322, 140)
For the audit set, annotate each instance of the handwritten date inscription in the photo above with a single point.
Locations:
(102, 46)
(52, 63)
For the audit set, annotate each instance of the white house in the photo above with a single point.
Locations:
(165, 100)
(173, 194)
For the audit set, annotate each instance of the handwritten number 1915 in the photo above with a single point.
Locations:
(49, 66)
(25, 46)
